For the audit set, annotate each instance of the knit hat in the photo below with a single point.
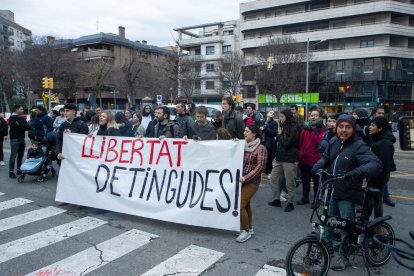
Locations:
(346, 118)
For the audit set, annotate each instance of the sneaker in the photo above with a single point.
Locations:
(12, 175)
(302, 201)
(289, 207)
(283, 196)
(244, 236)
(341, 263)
(275, 203)
(251, 232)
(2, 163)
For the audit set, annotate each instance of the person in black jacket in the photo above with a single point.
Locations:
(41, 125)
(233, 122)
(108, 125)
(346, 155)
(269, 133)
(18, 127)
(73, 124)
(286, 158)
(124, 125)
(3, 133)
(382, 146)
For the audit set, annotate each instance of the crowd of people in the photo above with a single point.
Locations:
(285, 150)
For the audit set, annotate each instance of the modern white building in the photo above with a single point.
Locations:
(366, 46)
(12, 35)
(206, 46)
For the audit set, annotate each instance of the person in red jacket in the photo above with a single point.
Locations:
(309, 154)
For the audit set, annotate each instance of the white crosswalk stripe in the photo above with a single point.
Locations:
(95, 257)
(4, 205)
(192, 260)
(268, 270)
(42, 239)
(22, 219)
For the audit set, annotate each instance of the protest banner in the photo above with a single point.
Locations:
(176, 180)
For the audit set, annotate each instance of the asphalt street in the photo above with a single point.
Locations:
(137, 246)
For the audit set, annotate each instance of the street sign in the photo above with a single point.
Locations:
(159, 99)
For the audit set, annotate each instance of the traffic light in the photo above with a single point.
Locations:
(348, 88)
(47, 82)
(341, 89)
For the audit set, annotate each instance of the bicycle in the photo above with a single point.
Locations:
(398, 254)
(310, 255)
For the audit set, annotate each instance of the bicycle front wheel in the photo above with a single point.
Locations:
(377, 254)
(308, 257)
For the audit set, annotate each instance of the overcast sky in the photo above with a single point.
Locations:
(152, 20)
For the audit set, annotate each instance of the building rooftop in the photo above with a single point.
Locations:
(112, 39)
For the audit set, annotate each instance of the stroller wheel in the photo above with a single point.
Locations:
(40, 178)
(20, 178)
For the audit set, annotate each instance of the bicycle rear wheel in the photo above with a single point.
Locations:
(308, 257)
(377, 254)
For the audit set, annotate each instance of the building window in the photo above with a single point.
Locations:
(197, 68)
(366, 21)
(339, 3)
(197, 51)
(210, 50)
(197, 85)
(338, 45)
(209, 85)
(268, 14)
(249, 36)
(210, 67)
(366, 43)
(226, 67)
(226, 49)
(340, 24)
(250, 17)
(265, 34)
(226, 84)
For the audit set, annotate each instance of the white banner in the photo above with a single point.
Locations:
(182, 181)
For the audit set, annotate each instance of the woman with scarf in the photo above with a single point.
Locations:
(107, 125)
(310, 138)
(254, 163)
(137, 127)
(286, 158)
(147, 116)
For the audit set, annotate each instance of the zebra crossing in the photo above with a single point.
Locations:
(192, 260)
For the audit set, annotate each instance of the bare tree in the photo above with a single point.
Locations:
(286, 66)
(7, 72)
(97, 76)
(189, 70)
(231, 72)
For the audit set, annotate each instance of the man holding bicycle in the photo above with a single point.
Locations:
(346, 155)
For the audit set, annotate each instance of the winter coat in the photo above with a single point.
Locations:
(35, 154)
(171, 130)
(138, 130)
(269, 133)
(310, 138)
(18, 126)
(352, 155)
(254, 164)
(126, 130)
(323, 145)
(58, 121)
(234, 124)
(382, 146)
(4, 128)
(42, 125)
(256, 120)
(287, 147)
(205, 132)
(105, 131)
(76, 126)
(186, 124)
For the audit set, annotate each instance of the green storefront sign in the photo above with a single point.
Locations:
(294, 98)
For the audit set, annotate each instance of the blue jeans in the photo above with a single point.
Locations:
(17, 147)
(344, 209)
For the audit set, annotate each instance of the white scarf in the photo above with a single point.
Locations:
(252, 146)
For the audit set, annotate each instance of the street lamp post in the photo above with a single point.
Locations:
(307, 76)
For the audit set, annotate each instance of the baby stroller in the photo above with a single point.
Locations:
(39, 167)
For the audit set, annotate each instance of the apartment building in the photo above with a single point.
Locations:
(364, 54)
(117, 50)
(12, 35)
(204, 48)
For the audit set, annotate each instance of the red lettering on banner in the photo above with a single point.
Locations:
(111, 148)
(90, 155)
(102, 147)
(164, 151)
(124, 151)
(179, 144)
(137, 150)
(152, 142)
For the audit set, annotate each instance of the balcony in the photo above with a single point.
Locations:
(260, 5)
(97, 54)
(6, 33)
(330, 13)
(197, 41)
(379, 28)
